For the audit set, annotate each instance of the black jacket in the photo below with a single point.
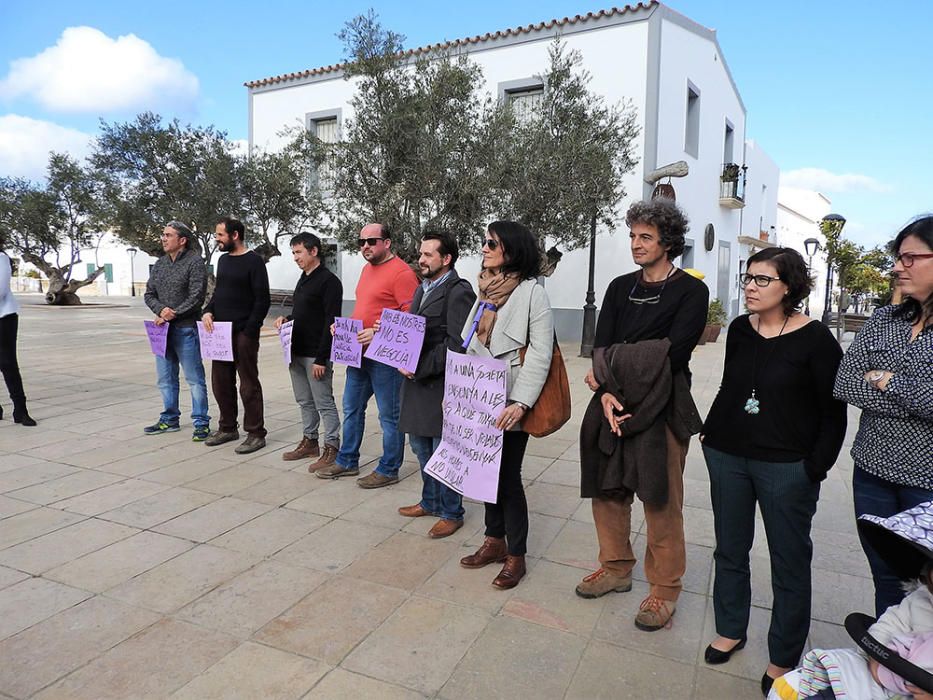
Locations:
(317, 300)
(422, 397)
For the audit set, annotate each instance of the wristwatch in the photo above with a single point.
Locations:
(875, 377)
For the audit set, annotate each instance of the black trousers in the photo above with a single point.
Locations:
(223, 382)
(9, 327)
(508, 516)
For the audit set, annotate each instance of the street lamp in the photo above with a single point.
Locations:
(833, 222)
(811, 245)
(589, 309)
(132, 252)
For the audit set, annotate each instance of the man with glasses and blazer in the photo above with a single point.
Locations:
(386, 282)
(636, 430)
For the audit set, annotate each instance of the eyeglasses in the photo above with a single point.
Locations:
(907, 259)
(168, 235)
(760, 280)
(370, 241)
(490, 243)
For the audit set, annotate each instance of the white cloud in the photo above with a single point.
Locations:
(87, 71)
(825, 181)
(25, 144)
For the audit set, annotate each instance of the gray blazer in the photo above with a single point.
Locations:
(525, 319)
(420, 412)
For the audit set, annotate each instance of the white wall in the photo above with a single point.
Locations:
(798, 217)
(685, 56)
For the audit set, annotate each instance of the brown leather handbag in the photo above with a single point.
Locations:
(552, 409)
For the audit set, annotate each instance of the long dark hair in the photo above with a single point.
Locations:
(911, 309)
(519, 249)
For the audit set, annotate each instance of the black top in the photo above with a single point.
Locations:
(799, 419)
(679, 314)
(242, 292)
(317, 300)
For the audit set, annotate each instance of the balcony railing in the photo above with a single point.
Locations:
(732, 186)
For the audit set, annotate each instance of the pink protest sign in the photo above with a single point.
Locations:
(285, 338)
(398, 341)
(158, 337)
(219, 344)
(346, 348)
(468, 458)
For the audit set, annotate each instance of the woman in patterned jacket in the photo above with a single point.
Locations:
(888, 373)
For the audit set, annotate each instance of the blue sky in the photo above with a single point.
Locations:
(838, 93)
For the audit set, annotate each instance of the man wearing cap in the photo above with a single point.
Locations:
(174, 293)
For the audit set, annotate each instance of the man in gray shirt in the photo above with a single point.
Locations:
(175, 292)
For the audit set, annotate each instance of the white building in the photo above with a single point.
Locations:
(689, 108)
(799, 213)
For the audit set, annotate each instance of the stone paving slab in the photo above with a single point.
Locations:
(153, 567)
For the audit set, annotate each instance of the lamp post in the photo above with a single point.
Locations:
(132, 252)
(833, 222)
(589, 309)
(811, 245)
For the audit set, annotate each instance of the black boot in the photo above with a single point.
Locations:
(21, 416)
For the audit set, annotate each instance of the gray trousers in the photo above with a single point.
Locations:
(315, 397)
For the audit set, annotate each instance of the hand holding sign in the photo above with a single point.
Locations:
(285, 338)
(158, 337)
(345, 348)
(470, 452)
(216, 344)
(398, 341)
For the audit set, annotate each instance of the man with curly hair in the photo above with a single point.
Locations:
(637, 428)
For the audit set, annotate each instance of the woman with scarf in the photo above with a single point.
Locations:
(511, 313)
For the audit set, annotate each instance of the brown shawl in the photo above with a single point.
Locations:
(494, 287)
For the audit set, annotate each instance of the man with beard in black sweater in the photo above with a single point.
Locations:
(242, 297)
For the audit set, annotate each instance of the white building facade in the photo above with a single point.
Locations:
(688, 108)
(799, 213)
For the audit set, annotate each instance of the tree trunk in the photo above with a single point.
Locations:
(60, 292)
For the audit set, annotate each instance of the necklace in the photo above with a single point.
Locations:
(752, 404)
(657, 297)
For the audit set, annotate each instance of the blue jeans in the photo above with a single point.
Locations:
(876, 496)
(386, 383)
(436, 497)
(182, 348)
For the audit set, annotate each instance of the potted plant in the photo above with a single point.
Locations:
(716, 318)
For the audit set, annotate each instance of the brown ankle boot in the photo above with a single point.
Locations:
(511, 573)
(327, 459)
(306, 448)
(491, 550)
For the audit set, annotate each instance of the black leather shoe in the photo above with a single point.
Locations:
(717, 656)
(24, 419)
(766, 683)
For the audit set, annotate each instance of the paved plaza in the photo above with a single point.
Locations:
(151, 566)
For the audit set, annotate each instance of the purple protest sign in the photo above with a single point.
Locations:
(285, 338)
(346, 348)
(468, 458)
(398, 341)
(158, 337)
(219, 344)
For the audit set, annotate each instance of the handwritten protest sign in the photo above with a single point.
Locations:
(345, 348)
(398, 341)
(158, 337)
(285, 338)
(219, 344)
(468, 458)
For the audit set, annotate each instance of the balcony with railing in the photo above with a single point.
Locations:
(732, 186)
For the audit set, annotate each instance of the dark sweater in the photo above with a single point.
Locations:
(679, 315)
(178, 284)
(317, 300)
(799, 419)
(242, 292)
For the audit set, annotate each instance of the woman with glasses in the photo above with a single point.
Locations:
(888, 373)
(512, 312)
(772, 434)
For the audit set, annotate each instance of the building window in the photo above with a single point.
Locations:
(727, 144)
(526, 103)
(692, 133)
(326, 127)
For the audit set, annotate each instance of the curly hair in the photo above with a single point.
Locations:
(672, 224)
(792, 271)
